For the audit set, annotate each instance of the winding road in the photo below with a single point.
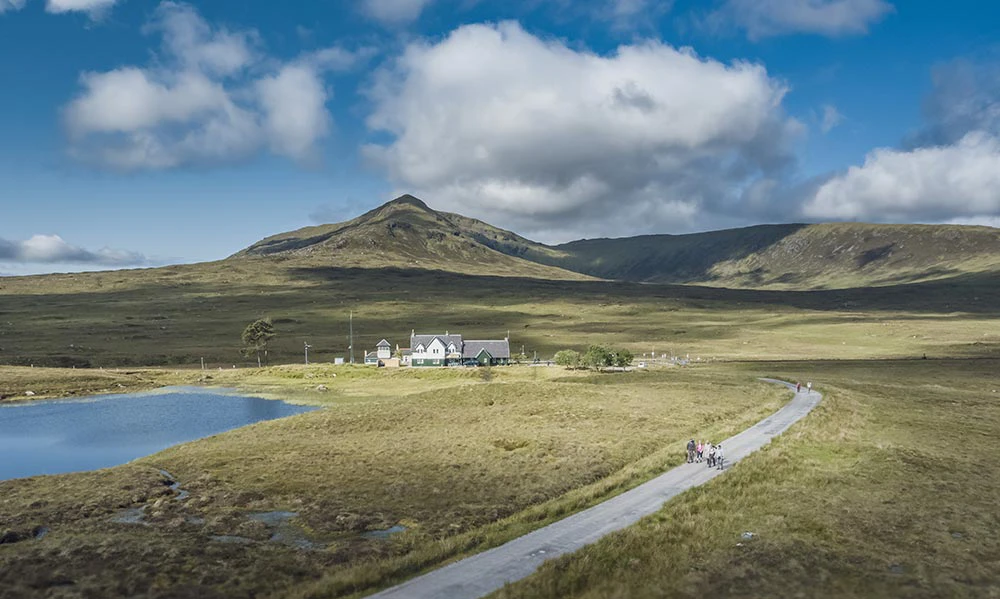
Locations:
(485, 572)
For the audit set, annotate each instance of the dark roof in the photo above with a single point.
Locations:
(384, 343)
(426, 340)
(498, 349)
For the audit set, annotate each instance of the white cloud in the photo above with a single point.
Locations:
(394, 12)
(6, 5)
(830, 118)
(210, 96)
(295, 117)
(531, 133)
(94, 7)
(767, 18)
(48, 249)
(949, 171)
(929, 184)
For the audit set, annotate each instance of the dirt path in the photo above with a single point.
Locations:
(483, 573)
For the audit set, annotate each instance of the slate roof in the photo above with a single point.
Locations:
(384, 343)
(498, 349)
(425, 340)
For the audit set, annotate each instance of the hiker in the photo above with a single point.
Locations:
(691, 447)
(798, 387)
(700, 451)
(719, 457)
(809, 386)
(711, 455)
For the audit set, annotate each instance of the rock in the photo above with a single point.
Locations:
(748, 535)
(29, 393)
(322, 388)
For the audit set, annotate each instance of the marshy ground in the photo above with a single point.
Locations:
(868, 496)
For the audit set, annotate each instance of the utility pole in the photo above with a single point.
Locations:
(307, 351)
(351, 346)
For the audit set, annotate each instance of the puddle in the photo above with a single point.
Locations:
(231, 539)
(175, 486)
(294, 538)
(133, 515)
(39, 532)
(273, 518)
(284, 532)
(384, 534)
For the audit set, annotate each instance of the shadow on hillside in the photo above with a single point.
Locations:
(976, 293)
(671, 258)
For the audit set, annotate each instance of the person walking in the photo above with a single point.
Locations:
(711, 455)
(690, 451)
(700, 451)
(719, 458)
(798, 387)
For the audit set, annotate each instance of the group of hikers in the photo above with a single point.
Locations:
(705, 452)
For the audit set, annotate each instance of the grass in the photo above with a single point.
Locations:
(462, 463)
(178, 315)
(887, 490)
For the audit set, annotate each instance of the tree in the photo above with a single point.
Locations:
(597, 357)
(255, 338)
(623, 358)
(568, 358)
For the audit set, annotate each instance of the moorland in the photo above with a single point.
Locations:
(868, 496)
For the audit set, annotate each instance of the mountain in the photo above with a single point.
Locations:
(407, 233)
(794, 256)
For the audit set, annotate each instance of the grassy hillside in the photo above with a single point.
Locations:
(403, 233)
(832, 255)
(407, 233)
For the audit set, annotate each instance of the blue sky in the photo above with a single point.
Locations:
(135, 132)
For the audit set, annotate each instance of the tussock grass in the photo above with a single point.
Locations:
(462, 463)
(886, 490)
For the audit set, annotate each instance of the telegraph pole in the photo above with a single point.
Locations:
(351, 346)
(307, 351)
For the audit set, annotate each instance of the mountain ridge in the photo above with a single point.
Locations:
(407, 232)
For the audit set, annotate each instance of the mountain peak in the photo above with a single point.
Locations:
(407, 199)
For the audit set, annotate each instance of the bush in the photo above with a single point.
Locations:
(568, 358)
(623, 358)
(598, 356)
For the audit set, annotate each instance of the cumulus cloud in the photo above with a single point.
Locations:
(533, 134)
(50, 249)
(947, 172)
(394, 12)
(931, 184)
(768, 18)
(210, 96)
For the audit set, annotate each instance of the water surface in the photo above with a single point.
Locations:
(53, 437)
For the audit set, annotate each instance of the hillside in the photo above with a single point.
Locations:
(406, 233)
(831, 255)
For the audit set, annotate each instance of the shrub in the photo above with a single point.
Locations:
(597, 356)
(568, 358)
